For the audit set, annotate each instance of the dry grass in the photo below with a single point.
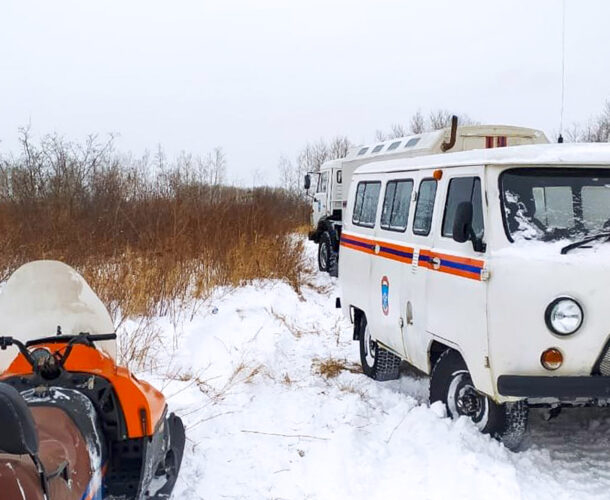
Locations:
(148, 236)
(331, 367)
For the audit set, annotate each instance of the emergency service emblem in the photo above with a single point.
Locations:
(385, 295)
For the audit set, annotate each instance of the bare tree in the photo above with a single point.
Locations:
(310, 159)
(313, 155)
(439, 119)
(597, 129)
(380, 135)
(217, 167)
(417, 124)
(288, 175)
(338, 147)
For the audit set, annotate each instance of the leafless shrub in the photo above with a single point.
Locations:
(148, 235)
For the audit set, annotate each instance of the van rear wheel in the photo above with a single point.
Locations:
(377, 362)
(452, 384)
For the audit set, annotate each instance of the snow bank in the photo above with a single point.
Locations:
(263, 423)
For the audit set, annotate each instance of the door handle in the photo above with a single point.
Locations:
(436, 263)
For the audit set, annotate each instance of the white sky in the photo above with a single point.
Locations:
(260, 78)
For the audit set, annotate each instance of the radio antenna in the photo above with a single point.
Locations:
(563, 69)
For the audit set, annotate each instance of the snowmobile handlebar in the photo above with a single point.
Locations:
(81, 338)
(6, 342)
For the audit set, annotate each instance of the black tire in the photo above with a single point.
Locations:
(327, 256)
(452, 384)
(324, 249)
(377, 362)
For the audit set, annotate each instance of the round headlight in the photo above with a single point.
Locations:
(564, 316)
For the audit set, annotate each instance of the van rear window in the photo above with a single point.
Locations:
(365, 205)
(422, 222)
(396, 204)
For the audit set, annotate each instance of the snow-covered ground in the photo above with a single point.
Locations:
(263, 422)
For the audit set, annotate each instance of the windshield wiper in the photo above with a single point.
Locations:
(580, 243)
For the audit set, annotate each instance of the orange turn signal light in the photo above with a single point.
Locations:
(551, 359)
(438, 175)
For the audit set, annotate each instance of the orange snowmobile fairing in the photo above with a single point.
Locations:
(135, 446)
(143, 406)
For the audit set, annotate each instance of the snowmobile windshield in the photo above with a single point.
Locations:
(44, 298)
(553, 204)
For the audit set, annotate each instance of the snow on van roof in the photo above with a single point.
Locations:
(538, 154)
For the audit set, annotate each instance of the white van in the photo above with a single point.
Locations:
(330, 189)
(488, 270)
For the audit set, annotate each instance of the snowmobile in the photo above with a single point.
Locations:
(74, 425)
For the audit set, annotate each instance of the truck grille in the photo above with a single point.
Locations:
(604, 362)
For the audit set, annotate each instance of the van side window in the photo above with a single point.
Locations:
(365, 206)
(464, 189)
(396, 204)
(424, 210)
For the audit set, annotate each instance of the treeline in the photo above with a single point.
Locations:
(313, 155)
(144, 231)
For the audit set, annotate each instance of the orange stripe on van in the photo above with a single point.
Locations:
(464, 267)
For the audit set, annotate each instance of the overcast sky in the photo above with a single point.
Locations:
(261, 78)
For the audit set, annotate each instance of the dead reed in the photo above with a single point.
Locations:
(148, 236)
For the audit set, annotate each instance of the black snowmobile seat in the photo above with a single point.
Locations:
(41, 449)
(18, 434)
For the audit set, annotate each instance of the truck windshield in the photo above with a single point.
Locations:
(552, 204)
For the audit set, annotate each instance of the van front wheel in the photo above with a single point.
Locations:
(452, 384)
(377, 362)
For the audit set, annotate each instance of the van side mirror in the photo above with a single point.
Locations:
(307, 182)
(462, 226)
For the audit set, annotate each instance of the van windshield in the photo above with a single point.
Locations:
(552, 204)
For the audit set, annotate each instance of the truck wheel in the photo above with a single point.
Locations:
(324, 249)
(451, 383)
(332, 265)
(377, 362)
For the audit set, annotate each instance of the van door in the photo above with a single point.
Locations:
(414, 275)
(456, 290)
(391, 258)
(358, 243)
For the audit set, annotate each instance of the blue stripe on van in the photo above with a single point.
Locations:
(358, 243)
(393, 251)
(460, 266)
